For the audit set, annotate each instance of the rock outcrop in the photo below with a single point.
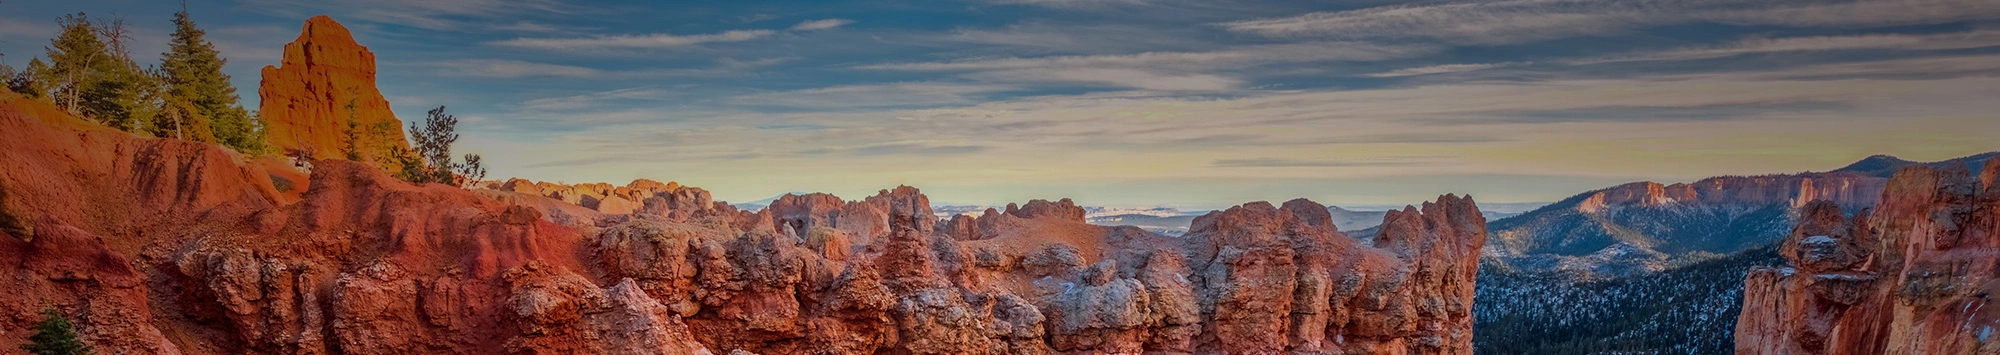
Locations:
(641, 196)
(322, 99)
(1911, 276)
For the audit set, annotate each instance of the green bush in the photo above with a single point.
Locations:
(55, 336)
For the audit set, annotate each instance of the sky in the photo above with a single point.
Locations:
(1146, 102)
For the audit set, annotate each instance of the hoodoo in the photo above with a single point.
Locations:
(1914, 275)
(322, 99)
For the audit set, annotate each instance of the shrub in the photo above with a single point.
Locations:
(55, 336)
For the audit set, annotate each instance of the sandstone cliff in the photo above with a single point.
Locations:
(1911, 276)
(322, 99)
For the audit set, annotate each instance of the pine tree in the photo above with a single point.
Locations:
(432, 161)
(433, 145)
(130, 94)
(95, 80)
(193, 74)
(76, 59)
(55, 336)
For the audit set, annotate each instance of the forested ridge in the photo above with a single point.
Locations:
(1689, 309)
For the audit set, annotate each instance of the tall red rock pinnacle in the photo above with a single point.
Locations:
(306, 99)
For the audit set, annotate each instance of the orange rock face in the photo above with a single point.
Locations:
(1912, 276)
(305, 101)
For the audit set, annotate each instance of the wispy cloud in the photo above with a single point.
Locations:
(251, 45)
(1114, 77)
(1684, 113)
(1071, 38)
(815, 25)
(1235, 57)
(1953, 66)
(646, 41)
(891, 95)
(1514, 21)
(1957, 40)
(1438, 69)
(13, 30)
(1330, 163)
(1166, 71)
(910, 148)
(1069, 3)
(446, 15)
(592, 99)
(508, 68)
(525, 26)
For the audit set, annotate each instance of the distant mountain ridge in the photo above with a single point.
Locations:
(1639, 226)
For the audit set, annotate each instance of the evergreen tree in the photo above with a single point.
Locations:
(350, 137)
(76, 57)
(130, 95)
(432, 161)
(433, 144)
(55, 336)
(95, 80)
(193, 74)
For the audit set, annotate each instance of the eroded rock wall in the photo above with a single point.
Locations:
(1911, 276)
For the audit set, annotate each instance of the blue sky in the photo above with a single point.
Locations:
(1149, 102)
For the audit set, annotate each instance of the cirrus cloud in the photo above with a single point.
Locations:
(645, 41)
(826, 24)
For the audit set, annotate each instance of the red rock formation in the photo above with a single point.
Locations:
(362, 263)
(1845, 188)
(1912, 276)
(323, 96)
(164, 246)
(641, 196)
(1283, 281)
(1064, 209)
